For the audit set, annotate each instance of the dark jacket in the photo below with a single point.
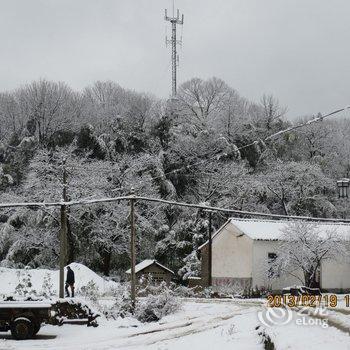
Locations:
(70, 277)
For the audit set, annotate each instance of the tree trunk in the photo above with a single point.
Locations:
(106, 262)
(307, 277)
(310, 279)
(284, 205)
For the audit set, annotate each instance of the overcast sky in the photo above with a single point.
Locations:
(297, 50)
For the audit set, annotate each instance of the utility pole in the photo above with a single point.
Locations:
(63, 231)
(132, 249)
(174, 42)
(210, 248)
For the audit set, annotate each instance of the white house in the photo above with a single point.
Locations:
(241, 250)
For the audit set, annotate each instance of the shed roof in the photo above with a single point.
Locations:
(148, 262)
(272, 230)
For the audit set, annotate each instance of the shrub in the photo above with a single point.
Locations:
(90, 291)
(47, 287)
(24, 286)
(158, 300)
(184, 292)
(154, 307)
(149, 286)
(122, 306)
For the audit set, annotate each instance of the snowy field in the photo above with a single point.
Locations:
(199, 325)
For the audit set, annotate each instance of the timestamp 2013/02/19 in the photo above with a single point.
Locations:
(326, 300)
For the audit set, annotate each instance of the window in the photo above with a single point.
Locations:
(272, 257)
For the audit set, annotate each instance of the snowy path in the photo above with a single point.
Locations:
(201, 326)
(195, 319)
(311, 337)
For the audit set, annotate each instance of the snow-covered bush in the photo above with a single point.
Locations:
(25, 285)
(122, 306)
(234, 290)
(149, 286)
(90, 291)
(154, 307)
(47, 288)
(183, 291)
(157, 300)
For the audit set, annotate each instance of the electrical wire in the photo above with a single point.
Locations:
(217, 156)
(168, 202)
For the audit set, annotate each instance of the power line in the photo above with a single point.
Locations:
(217, 156)
(239, 212)
(58, 204)
(168, 202)
(292, 128)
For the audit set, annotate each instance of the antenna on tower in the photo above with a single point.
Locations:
(174, 42)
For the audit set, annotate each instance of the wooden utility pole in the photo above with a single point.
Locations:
(63, 231)
(210, 245)
(132, 248)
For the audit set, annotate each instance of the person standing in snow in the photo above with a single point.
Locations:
(70, 280)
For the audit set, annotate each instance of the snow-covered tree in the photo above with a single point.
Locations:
(296, 188)
(47, 107)
(191, 268)
(115, 139)
(201, 99)
(303, 249)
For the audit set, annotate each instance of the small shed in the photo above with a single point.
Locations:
(152, 267)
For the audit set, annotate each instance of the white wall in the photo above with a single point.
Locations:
(335, 275)
(260, 267)
(236, 256)
(232, 255)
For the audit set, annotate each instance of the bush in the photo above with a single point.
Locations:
(158, 300)
(149, 286)
(154, 307)
(47, 287)
(90, 291)
(184, 292)
(122, 306)
(25, 285)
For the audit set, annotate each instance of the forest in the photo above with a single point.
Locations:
(198, 149)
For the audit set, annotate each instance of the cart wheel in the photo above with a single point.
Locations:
(36, 328)
(22, 328)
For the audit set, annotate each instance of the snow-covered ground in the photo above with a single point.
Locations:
(83, 275)
(199, 325)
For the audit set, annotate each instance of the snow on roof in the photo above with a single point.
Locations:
(272, 230)
(148, 262)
